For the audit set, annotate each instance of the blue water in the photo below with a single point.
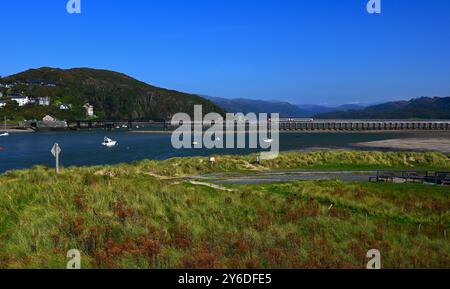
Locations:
(83, 148)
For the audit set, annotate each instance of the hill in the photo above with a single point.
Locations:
(285, 109)
(418, 108)
(243, 105)
(113, 94)
(313, 109)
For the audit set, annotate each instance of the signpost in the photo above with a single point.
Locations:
(56, 150)
(212, 160)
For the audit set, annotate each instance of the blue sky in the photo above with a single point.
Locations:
(302, 51)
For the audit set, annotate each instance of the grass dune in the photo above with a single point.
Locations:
(329, 160)
(127, 216)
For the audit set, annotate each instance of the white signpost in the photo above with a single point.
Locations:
(56, 150)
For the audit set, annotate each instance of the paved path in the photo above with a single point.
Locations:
(287, 176)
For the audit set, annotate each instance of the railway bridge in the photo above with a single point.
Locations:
(362, 125)
(291, 124)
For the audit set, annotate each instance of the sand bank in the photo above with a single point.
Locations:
(416, 144)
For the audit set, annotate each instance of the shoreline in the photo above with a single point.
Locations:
(17, 130)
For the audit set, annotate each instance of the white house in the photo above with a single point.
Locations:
(20, 99)
(49, 118)
(89, 109)
(65, 106)
(44, 101)
(2, 103)
(6, 85)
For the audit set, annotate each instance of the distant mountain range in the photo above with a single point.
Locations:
(258, 106)
(418, 108)
(312, 109)
(285, 109)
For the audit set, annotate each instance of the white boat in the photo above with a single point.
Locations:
(107, 142)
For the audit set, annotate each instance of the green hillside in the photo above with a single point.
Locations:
(114, 95)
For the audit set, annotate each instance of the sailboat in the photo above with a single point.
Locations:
(4, 133)
(269, 138)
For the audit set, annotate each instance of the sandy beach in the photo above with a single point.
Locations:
(417, 144)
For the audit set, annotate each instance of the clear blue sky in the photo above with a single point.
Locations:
(302, 51)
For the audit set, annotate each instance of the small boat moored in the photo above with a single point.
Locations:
(107, 142)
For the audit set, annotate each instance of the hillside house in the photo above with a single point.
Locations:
(49, 118)
(65, 106)
(89, 109)
(44, 101)
(6, 85)
(20, 99)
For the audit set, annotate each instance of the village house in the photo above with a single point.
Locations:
(6, 85)
(49, 118)
(44, 101)
(32, 82)
(20, 99)
(65, 106)
(38, 83)
(89, 109)
(24, 100)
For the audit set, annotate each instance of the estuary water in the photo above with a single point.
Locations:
(83, 148)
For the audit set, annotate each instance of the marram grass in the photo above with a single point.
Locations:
(140, 216)
(330, 160)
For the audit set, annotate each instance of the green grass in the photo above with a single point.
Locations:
(328, 160)
(128, 216)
